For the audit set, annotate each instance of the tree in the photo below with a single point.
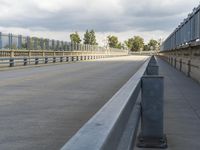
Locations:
(146, 47)
(90, 38)
(113, 41)
(135, 44)
(153, 44)
(75, 38)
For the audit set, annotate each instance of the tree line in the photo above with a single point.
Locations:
(135, 43)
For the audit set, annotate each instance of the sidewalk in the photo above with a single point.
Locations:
(182, 109)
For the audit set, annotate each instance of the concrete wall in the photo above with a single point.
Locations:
(186, 60)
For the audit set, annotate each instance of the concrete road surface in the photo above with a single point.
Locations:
(42, 107)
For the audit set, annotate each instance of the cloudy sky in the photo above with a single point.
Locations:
(56, 19)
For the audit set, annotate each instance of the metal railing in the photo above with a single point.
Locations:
(188, 31)
(35, 60)
(149, 53)
(115, 125)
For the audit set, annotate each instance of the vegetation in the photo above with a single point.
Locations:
(113, 42)
(90, 37)
(75, 38)
(135, 44)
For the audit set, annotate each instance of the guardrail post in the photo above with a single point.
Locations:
(46, 60)
(175, 62)
(61, 59)
(54, 59)
(25, 61)
(12, 62)
(152, 68)
(180, 64)
(36, 61)
(67, 59)
(151, 135)
(72, 58)
(77, 58)
(189, 68)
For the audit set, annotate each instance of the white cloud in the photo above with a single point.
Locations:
(124, 18)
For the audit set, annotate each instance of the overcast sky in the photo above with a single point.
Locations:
(56, 19)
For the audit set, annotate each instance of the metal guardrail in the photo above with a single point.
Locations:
(115, 125)
(149, 53)
(188, 31)
(25, 57)
(24, 61)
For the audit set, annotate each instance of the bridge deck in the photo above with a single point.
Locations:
(182, 109)
(41, 108)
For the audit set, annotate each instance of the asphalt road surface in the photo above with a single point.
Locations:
(42, 107)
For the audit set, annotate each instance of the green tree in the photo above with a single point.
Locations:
(90, 37)
(135, 44)
(75, 38)
(153, 44)
(146, 47)
(113, 41)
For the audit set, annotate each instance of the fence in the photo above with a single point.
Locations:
(19, 42)
(187, 32)
(115, 125)
(20, 50)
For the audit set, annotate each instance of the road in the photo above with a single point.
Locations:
(42, 107)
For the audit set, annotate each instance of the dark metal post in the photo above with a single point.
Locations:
(36, 61)
(54, 59)
(152, 70)
(189, 68)
(175, 62)
(61, 59)
(180, 64)
(151, 135)
(46, 60)
(12, 62)
(25, 61)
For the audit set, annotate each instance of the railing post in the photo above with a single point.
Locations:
(67, 59)
(151, 135)
(36, 61)
(152, 85)
(54, 59)
(152, 68)
(12, 62)
(61, 59)
(189, 68)
(25, 61)
(175, 62)
(180, 64)
(46, 60)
